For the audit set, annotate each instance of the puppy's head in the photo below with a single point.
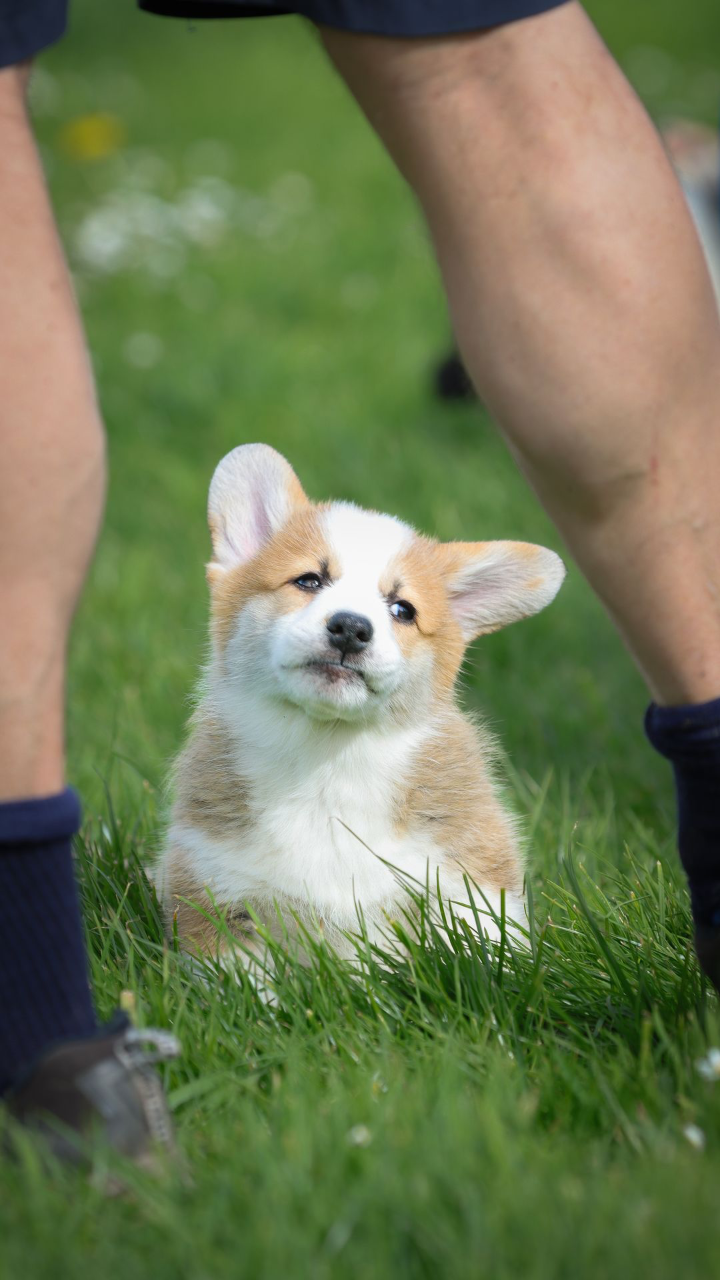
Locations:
(345, 613)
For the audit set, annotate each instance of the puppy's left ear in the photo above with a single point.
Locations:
(491, 584)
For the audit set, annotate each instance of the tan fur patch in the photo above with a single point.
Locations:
(526, 550)
(451, 796)
(190, 910)
(419, 576)
(299, 547)
(210, 795)
(210, 798)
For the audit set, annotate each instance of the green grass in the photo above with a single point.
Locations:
(451, 1114)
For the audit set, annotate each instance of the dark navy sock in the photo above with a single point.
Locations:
(44, 989)
(689, 737)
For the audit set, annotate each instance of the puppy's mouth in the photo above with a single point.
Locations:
(334, 672)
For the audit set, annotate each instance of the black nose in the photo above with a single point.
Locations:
(349, 632)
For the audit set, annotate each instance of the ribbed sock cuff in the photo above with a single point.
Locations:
(689, 737)
(686, 730)
(40, 820)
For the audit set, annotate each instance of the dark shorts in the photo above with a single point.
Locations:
(28, 26)
(371, 17)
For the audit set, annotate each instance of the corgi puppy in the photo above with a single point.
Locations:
(327, 765)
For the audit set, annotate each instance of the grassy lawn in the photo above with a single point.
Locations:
(251, 268)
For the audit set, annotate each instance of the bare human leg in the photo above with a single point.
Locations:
(52, 478)
(585, 314)
(53, 1058)
(582, 305)
(51, 496)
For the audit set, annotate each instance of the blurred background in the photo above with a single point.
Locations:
(250, 267)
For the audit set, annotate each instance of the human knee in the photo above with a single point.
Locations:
(50, 515)
(516, 70)
(516, 114)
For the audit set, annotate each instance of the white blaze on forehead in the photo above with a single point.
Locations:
(364, 542)
(360, 546)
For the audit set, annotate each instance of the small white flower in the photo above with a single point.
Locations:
(200, 215)
(102, 241)
(695, 1136)
(709, 1066)
(359, 1136)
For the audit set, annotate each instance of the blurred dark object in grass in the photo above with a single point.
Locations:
(451, 380)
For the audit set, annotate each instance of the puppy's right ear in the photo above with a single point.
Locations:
(252, 494)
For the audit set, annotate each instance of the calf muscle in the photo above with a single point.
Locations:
(582, 305)
(52, 478)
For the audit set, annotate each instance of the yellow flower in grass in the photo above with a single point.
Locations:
(92, 137)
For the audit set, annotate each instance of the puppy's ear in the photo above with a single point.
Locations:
(252, 494)
(491, 584)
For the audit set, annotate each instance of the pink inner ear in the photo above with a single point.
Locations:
(501, 583)
(253, 535)
(251, 494)
(227, 538)
(262, 526)
(477, 592)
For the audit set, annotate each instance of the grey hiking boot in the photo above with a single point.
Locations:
(106, 1087)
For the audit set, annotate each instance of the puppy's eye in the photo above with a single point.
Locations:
(308, 582)
(402, 610)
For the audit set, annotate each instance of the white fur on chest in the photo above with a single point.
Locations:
(323, 816)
